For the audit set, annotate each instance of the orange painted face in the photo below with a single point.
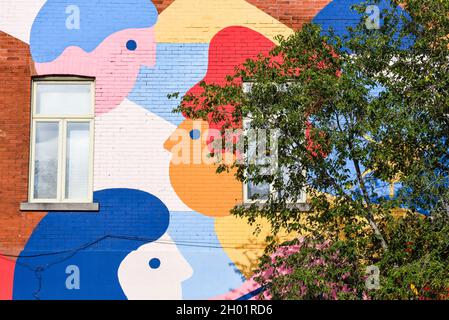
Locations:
(193, 173)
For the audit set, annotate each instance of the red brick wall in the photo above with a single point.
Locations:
(293, 13)
(161, 5)
(16, 69)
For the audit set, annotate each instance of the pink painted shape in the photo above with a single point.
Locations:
(252, 285)
(6, 278)
(247, 287)
(114, 66)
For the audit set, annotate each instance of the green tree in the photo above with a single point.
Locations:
(356, 114)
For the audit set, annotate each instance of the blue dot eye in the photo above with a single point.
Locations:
(155, 263)
(131, 45)
(195, 134)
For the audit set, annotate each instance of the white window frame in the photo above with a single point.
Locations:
(247, 200)
(62, 144)
(247, 86)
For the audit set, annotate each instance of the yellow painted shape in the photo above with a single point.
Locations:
(197, 182)
(197, 21)
(240, 243)
(211, 194)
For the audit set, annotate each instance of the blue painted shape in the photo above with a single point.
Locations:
(214, 273)
(98, 20)
(132, 217)
(376, 91)
(427, 201)
(378, 189)
(131, 45)
(339, 16)
(252, 294)
(178, 68)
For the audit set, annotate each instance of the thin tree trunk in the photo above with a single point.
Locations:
(369, 216)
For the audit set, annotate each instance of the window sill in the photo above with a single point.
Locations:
(26, 206)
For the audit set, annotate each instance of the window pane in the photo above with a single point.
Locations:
(262, 190)
(46, 160)
(254, 156)
(286, 174)
(77, 166)
(63, 99)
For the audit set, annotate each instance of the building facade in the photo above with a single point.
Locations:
(93, 204)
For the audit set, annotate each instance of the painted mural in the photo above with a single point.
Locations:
(164, 230)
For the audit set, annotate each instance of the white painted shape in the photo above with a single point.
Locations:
(140, 282)
(129, 153)
(17, 17)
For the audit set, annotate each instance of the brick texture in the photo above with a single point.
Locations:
(161, 5)
(16, 69)
(293, 13)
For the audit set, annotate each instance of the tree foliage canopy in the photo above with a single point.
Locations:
(363, 122)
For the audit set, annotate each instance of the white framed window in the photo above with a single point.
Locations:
(263, 191)
(62, 134)
(256, 193)
(259, 193)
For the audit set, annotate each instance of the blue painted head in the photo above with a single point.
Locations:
(54, 28)
(130, 217)
(340, 15)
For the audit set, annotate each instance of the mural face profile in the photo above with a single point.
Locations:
(95, 243)
(108, 41)
(155, 271)
(213, 194)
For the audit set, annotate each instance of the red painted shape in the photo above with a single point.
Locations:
(6, 278)
(229, 49)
